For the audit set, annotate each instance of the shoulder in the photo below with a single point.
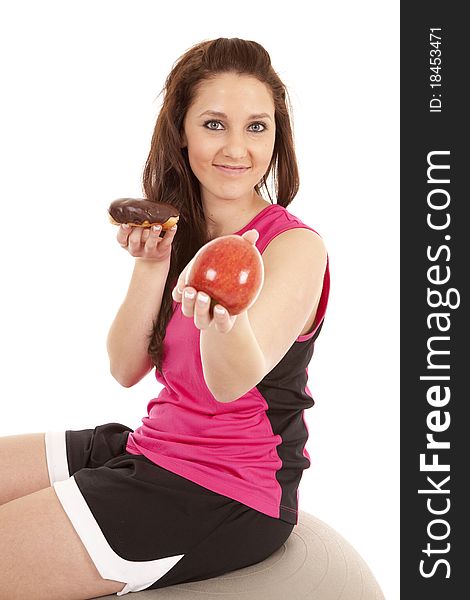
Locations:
(295, 245)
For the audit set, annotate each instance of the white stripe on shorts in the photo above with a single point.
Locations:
(56, 456)
(137, 575)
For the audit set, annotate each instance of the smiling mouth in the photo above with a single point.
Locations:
(231, 170)
(232, 166)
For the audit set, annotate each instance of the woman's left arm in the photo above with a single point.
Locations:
(239, 351)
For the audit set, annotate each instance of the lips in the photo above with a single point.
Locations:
(233, 166)
(231, 170)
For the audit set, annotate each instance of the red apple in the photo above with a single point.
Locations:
(230, 270)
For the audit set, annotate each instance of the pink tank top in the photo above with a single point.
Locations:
(252, 449)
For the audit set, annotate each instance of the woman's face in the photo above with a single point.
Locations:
(230, 124)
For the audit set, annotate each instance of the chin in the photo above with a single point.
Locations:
(229, 193)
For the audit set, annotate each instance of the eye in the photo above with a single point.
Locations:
(258, 124)
(208, 123)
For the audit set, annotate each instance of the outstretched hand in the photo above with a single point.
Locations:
(196, 304)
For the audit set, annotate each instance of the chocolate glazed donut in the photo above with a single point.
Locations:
(139, 212)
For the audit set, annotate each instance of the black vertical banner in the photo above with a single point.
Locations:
(435, 269)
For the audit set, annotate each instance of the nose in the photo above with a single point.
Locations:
(235, 145)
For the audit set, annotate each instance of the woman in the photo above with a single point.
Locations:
(209, 482)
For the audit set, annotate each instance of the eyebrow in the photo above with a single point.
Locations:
(216, 113)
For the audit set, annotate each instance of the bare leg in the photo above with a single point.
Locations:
(42, 556)
(23, 466)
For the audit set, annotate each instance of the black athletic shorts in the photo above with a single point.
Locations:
(146, 526)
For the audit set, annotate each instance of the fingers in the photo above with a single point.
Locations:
(196, 305)
(134, 240)
(129, 237)
(202, 318)
(165, 242)
(251, 236)
(123, 234)
(181, 283)
(222, 319)
(188, 300)
(146, 242)
(150, 238)
(177, 293)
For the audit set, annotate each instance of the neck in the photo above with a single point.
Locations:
(224, 217)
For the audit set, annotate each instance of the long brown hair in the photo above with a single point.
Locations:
(167, 175)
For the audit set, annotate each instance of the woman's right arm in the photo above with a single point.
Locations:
(128, 337)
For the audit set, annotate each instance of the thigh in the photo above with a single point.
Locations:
(23, 466)
(149, 527)
(245, 538)
(41, 555)
(32, 462)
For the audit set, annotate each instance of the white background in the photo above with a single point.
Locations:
(80, 82)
